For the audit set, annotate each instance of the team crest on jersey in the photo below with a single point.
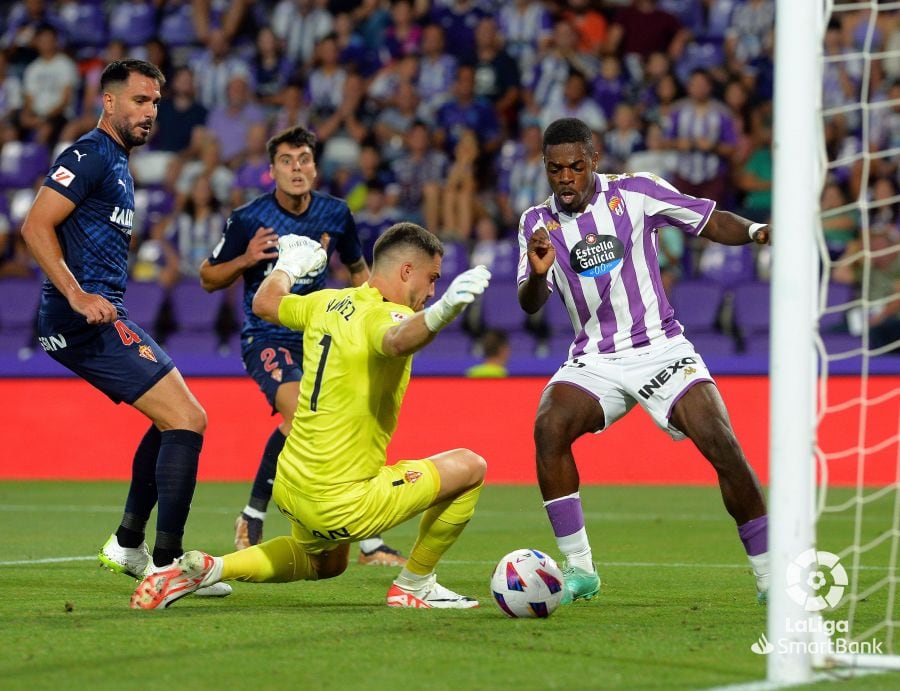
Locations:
(616, 206)
(399, 316)
(63, 176)
(147, 353)
(277, 374)
(596, 255)
(411, 476)
(552, 225)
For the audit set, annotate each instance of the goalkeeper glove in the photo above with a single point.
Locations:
(299, 256)
(462, 291)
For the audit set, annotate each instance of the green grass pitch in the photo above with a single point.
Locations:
(677, 608)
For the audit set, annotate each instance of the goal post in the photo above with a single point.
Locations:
(834, 450)
(798, 176)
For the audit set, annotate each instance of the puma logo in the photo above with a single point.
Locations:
(79, 154)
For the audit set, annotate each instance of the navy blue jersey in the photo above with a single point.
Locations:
(93, 174)
(325, 214)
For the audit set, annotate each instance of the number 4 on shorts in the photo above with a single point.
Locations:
(127, 335)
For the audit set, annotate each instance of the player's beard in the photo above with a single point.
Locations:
(126, 132)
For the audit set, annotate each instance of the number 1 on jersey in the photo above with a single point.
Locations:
(314, 398)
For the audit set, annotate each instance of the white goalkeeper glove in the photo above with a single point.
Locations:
(462, 291)
(299, 256)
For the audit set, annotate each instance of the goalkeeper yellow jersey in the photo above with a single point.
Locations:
(350, 393)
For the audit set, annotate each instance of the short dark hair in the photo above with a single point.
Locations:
(295, 137)
(118, 71)
(409, 235)
(494, 341)
(568, 131)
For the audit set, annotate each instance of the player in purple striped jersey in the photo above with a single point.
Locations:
(594, 241)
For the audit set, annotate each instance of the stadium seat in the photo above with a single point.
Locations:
(192, 343)
(558, 317)
(838, 294)
(143, 300)
(22, 163)
(19, 299)
(500, 307)
(194, 309)
(84, 24)
(455, 261)
(751, 308)
(707, 343)
(697, 304)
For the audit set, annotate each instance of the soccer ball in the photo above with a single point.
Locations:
(527, 583)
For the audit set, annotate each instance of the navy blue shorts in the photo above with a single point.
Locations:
(120, 359)
(271, 365)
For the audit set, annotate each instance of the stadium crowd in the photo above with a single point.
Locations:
(432, 111)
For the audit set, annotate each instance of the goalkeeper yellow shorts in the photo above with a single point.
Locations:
(399, 492)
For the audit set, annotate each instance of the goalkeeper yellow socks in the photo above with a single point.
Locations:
(279, 560)
(440, 527)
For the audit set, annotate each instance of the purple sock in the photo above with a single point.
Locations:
(754, 535)
(565, 516)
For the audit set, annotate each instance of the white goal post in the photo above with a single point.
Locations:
(799, 365)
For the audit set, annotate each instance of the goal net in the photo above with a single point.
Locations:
(839, 506)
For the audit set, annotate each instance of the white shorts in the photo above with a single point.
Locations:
(656, 377)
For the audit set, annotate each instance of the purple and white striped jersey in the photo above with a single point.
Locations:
(607, 263)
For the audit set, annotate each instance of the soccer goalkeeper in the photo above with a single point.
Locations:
(332, 481)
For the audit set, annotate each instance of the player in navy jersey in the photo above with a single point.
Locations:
(594, 241)
(78, 229)
(273, 355)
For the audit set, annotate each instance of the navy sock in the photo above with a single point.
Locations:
(176, 477)
(261, 492)
(142, 492)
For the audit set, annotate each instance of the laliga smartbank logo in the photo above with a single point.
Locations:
(816, 580)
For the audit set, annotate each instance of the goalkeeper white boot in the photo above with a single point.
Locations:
(132, 561)
(431, 595)
(193, 572)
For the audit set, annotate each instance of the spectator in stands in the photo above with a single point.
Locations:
(545, 84)
(204, 159)
(609, 87)
(374, 218)
(11, 101)
(24, 20)
(750, 33)
(189, 236)
(526, 27)
(458, 19)
(352, 182)
(437, 71)
(271, 69)
(575, 103)
(403, 36)
(522, 178)
(294, 111)
(667, 94)
(419, 172)
(624, 137)
(496, 73)
(394, 121)
(643, 28)
(300, 25)
(50, 83)
(252, 177)
(840, 225)
(325, 86)
(656, 157)
(465, 111)
(179, 114)
(346, 128)
(495, 345)
(132, 22)
(883, 207)
(90, 97)
(231, 122)
(459, 194)
(754, 177)
(215, 68)
(590, 24)
(883, 289)
(702, 130)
